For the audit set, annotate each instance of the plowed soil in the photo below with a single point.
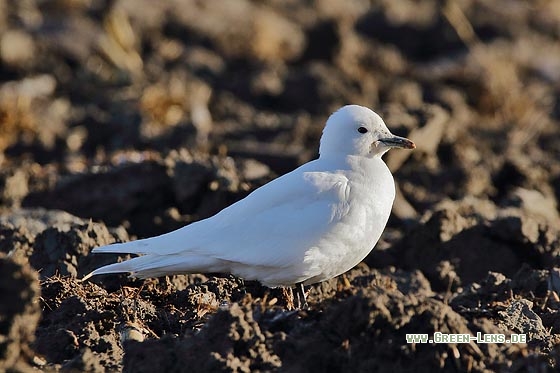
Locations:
(130, 118)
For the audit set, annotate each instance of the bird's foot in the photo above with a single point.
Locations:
(297, 300)
(288, 295)
(301, 297)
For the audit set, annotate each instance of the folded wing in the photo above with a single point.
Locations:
(274, 226)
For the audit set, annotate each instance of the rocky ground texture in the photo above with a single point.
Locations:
(129, 118)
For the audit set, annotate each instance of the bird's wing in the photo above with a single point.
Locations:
(280, 234)
(277, 224)
(273, 226)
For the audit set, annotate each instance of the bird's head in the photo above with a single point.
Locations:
(357, 130)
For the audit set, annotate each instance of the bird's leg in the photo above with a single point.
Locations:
(243, 287)
(288, 294)
(301, 299)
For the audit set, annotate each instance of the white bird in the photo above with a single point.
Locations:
(307, 226)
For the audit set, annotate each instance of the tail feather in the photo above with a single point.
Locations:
(121, 267)
(134, 247)
(162, 265)
(159, 256)
(168, 243)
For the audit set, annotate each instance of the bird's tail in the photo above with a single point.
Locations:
(140, 247)
(153, 265)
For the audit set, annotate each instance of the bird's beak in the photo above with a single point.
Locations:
(397, 142)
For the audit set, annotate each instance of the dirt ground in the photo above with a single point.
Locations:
(125, 119)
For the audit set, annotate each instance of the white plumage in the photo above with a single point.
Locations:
(307, 226)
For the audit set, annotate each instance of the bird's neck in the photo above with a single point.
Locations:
(353, 162)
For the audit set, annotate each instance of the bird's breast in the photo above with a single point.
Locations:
(358, 220)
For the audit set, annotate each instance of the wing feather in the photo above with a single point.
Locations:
(260, 229)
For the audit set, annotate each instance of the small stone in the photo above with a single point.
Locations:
(16, 48)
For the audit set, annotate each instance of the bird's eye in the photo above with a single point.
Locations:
(362, 130)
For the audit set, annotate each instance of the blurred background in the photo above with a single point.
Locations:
(122, 110)
(144, 116)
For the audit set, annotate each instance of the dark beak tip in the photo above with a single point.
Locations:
(398, 142)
